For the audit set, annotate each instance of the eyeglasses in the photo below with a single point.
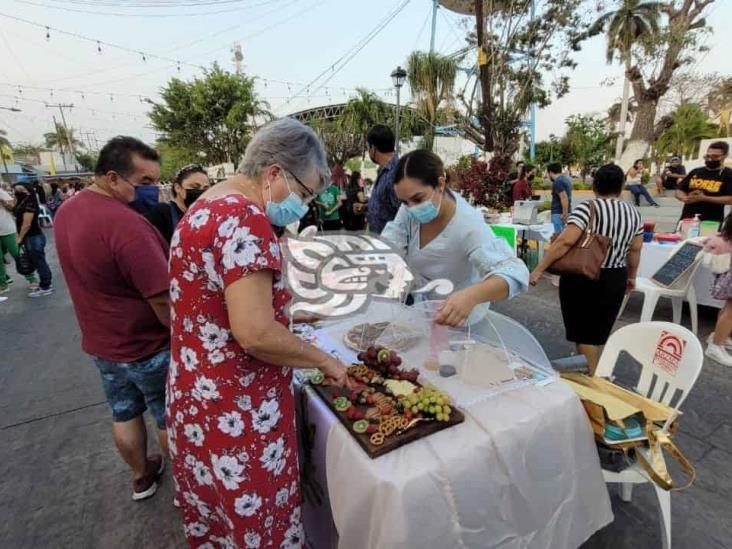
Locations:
(311, 194)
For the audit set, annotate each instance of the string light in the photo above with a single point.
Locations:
(144, 59)
(48, 33)
(99, 47)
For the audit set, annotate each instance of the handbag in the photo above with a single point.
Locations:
(24, 263)
(648, 427)
(587, 255)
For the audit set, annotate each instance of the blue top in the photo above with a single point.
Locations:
(561, 183)
(383, 203)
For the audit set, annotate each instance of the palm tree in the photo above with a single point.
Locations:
(633, 23)
(62, 139)
(719, 102)
(362, 112)
(431, 79)
(4, 139)
(689, 126)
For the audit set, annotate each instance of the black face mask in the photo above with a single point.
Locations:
(191, 196)
(713, 164)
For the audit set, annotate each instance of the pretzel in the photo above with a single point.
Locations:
(389, 425)
(377, 439)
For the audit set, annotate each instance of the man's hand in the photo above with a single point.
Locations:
(694, 197)
(456, 309)
(565, 217)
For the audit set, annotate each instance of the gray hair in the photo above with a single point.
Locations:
(291, 145)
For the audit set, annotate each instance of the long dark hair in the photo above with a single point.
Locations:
(525, 170)
(726, 230)
(354, 179)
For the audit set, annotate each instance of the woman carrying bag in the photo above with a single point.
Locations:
(590, 304)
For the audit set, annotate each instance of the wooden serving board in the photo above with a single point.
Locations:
(393, 442)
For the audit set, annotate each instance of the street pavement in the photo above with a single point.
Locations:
(63, 484)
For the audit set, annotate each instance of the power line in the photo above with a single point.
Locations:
(351, 52)
(122, 14)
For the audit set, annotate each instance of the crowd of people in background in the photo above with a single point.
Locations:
(187, 291)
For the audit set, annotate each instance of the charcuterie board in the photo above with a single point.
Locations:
(387, 407)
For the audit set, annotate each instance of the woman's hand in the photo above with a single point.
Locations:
(456, 309)
(536, 274)
(335, 372)
(630, 286)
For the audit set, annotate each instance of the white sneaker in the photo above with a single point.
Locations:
(3, 299)
(41, 292)
(719, 355)
(727, 344)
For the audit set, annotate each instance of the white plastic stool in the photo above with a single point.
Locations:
(682, 290)
(44, 216)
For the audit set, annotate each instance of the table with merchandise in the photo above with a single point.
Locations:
(447, 438)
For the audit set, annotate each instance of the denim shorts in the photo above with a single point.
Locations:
(133, 387)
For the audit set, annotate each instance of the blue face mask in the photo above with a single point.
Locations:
(288, 211)
(146, 198)
(425, 212)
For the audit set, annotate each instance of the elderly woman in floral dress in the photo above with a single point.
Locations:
(231, 412)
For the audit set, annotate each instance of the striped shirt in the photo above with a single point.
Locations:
(614, 219)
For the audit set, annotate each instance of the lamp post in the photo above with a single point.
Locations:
(398, 76)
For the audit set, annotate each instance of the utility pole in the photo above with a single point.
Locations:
(238, 59)
(69, 139)
(435, 7)
(60, 142)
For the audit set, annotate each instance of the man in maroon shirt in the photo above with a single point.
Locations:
(116, 267)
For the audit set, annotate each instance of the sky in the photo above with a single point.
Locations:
(286, 43)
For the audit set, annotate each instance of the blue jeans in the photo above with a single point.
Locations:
(638, 191)
(35, 245)
(133, 387)
(558, 223)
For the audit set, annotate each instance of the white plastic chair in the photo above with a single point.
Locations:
(44, 216)
(641, 341)
(683, 289)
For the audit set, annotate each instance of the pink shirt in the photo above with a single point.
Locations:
(113, 259)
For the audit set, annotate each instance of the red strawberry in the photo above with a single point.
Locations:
(371, 429)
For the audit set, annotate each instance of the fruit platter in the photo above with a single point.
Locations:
(386, 407)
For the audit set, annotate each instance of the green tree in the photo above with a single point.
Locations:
(516, 49)
(173, 158)
(4, 142)
(215, 115)
(634, 23)
(677, 44)
(689, 125)
(87, 160)
(431, 78)
(586, 141)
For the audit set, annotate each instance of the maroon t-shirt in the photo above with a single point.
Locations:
(113, 259)
(521, 190)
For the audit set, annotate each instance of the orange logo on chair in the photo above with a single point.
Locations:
(669, 351)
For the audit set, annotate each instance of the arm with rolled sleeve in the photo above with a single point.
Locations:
(397, 232)
(492, 256)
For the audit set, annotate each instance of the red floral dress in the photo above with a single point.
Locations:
(231, 417)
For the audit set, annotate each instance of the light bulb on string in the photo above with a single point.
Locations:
(178, 66)
(20, 90)
(99, 47)
(51, 92)
(144, 59)
(48, 33)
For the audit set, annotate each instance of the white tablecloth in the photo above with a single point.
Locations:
(653, 255)
(521, 472)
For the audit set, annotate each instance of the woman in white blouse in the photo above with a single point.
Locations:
(442, 237)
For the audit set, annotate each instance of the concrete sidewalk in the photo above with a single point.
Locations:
(63, 484)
